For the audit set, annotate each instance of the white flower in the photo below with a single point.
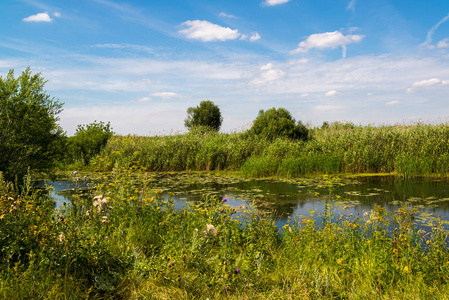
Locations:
(61, 237)
(210, 229)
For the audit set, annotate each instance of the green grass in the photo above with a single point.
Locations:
(134, 244)
(405, 149)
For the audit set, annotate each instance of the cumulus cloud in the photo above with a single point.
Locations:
(328, 40)
(254, 37)
(427, 83)
(166, 95)
(331, 93)
(40, 17)
(274, 2)
(268, 74)
(208, 32)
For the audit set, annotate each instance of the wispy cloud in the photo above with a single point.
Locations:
(351, 5)
(328, 40)
(166, 95)
(208, 32)
(125, 46)
(429, 36)
(394, 102)
(223, 14)
(274, 2)
(331, 93)
(40, 17)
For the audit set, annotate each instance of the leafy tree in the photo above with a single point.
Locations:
(30, 136)
(275, 123)
(89, 140)
(206, 114)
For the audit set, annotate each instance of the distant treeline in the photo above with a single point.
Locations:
(408, 149)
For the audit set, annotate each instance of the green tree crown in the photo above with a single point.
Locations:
(88, 140)
(275, 123)
(30, 136)
(206, 114)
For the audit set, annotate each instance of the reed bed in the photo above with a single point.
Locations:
(129, 242)
(406, 149)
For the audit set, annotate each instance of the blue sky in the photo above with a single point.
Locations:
(141, 64)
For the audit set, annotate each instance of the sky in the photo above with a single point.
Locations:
(140, 64)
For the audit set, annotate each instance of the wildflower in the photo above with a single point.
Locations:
(224, 199)
(237, 271)
(366, 214)
(104, 219)
(61, 237)
(171, 264)
(210, 229)
(179, 277)
(196, 229)
(107, 238)
(87, 212)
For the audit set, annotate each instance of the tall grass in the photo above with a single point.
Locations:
(407, 149)
(131, 243)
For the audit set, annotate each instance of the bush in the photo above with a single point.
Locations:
(89, 140)
(275, 123)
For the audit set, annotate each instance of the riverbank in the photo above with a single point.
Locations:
(405, 149)
(132, 243)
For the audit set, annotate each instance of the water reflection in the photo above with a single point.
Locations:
(296, 198)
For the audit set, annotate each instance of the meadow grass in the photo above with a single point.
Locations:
(131, 243)
(406, 149)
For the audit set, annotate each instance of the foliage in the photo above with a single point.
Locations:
(407, 149)
(206, 114)
(89, 140)
(275, 123)
(130, 242)
(30, 136)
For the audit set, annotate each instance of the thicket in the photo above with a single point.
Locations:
(408, 149)
(130, 242)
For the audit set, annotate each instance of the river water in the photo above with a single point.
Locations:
(290, 199)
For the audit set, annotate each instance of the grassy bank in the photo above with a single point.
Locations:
(408, 150)
(131, 244)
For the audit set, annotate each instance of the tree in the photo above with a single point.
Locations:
(275, 123)
(30, 136)
(89, 140)
(206, 114)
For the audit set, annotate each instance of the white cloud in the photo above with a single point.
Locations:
(426, 83)
(166, 95)
(444, 43)
(428, 40)
(223, 14)
(40, 17)
(274, 2)
(145, 99)
(254, 37)
(328, 40)
(331, 93)
(351, 5)
(394, 102)
(208, 32)
(56, 14)
(267, 74)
